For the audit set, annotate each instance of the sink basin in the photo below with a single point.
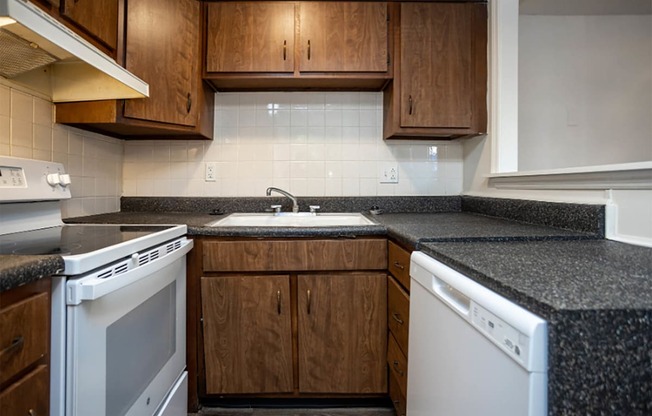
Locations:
(290, 219)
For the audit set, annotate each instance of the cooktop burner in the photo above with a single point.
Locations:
(73, 239)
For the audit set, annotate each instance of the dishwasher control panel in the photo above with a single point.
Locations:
(502, 334)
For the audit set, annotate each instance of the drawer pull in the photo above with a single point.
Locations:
(397, 318)
(398, 369)
(31, 412)
(309, 301)
(16, 344)
(278, 302)
(399, 265)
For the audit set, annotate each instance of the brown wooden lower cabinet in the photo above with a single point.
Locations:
(28, 396)
(247, 334)
(342, 332)
(397, 396)
(318, 328)
(398, 323)
(25, 349)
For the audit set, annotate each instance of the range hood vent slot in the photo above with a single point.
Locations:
(40, 52)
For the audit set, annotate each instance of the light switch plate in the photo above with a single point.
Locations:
(388, 173)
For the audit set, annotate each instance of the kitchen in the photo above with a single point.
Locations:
(316, 144)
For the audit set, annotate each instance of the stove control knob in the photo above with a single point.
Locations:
(53, 179)
(64, 180)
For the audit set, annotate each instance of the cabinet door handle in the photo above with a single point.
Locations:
(188, 103)
(410, 105)
(278, 301)
(397, 368)
(16, 344)
(285, 49)
(397, 318)
(309, 300)
(308, 49)
(399, 265)
(31, 412)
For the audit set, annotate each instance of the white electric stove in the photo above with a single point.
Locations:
(118, 307)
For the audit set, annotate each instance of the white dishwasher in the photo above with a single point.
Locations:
(471, 351)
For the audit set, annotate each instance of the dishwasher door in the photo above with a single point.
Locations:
(471, 351)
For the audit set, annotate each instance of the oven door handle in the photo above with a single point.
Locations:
(110, 279)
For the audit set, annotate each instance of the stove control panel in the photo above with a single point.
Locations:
(12, 177)
(32, 180)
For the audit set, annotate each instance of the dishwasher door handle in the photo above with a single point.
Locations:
(451, 297)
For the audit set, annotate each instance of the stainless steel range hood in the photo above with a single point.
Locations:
(38, 51)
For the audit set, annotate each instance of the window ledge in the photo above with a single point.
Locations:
(621, 176)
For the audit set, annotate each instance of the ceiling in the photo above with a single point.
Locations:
(585, 7)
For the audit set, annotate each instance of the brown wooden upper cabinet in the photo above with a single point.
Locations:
(99, 18)
(250, 37)
(162, 42)
(95, 20)
(440, 74)
(343, 37)
(162, 47)
(285, 45)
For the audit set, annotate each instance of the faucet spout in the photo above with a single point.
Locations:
(295, 204)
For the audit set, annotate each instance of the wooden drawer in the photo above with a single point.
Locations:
(397, 396)
(397, 364)
(399, 263)
(300, 255)
(398, 313)
(24, 334)
(27, 396)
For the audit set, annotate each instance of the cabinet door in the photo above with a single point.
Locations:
(247, 334)
(163, 50)
(436, 65)
(343, 37)
(342, 333)
(250, 37)
(97, 17)
(27, 396)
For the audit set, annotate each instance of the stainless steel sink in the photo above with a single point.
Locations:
(291, 219)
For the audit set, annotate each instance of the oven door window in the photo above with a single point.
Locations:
(132, 359)
(126, 349)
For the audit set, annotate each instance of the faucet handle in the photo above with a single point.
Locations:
(314, 208)
(276, 208)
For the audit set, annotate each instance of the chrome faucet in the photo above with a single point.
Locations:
(295, 204)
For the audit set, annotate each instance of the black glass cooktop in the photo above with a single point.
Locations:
(73, 239)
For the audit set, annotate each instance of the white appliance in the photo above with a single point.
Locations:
(118, 307)
(471, 351)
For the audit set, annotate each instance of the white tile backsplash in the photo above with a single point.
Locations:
(93, 161)
(310, 143)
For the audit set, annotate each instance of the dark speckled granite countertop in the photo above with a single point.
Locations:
(19, 270)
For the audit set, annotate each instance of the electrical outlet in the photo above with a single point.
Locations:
(388, 173)
(211, 172)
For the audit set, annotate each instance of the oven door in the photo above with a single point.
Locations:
(126, 344)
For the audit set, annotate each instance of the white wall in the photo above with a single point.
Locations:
(309, 143)
(93, 161)
(585, 90)
(629, 222)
